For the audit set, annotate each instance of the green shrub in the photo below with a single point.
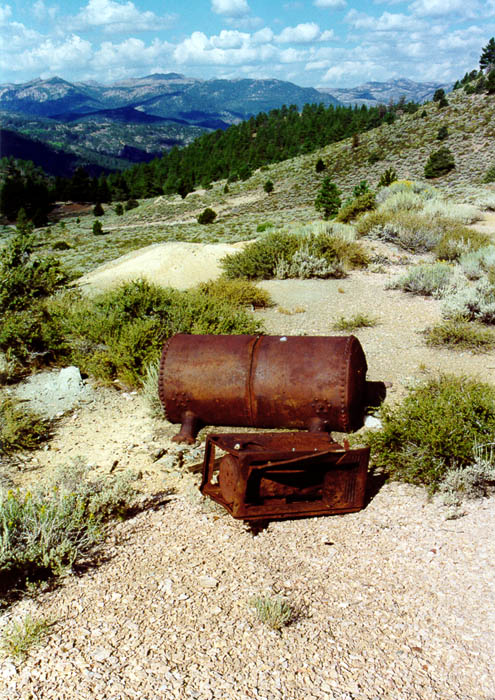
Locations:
(387, 177)
(260, 228)
(274, 612)
(32, 336)
(471, 302)
(48, 528)
(119, 209)
(352, 323)
(98, 209)
(473, 481)
(98, 229)
(259, 259)
(207, 216)
(434, 430)
(320, 166)
(20, 429)
(238, 292)
(18, 637)
(460, 335)
(479, 263)
(426, 279)
(375, 156)
(131, 204)
(119, 332)
(321, 254)
(489, 175)
(456, 240)
(439, 163)
(443, 133)
(268, 186)
(25, 277)
(361, 204)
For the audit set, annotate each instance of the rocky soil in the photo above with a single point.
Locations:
(395, 602)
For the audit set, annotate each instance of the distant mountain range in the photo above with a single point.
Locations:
(61, 125)
(373, 93)
(209, 104)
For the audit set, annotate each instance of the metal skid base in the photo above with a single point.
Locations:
(273, 476)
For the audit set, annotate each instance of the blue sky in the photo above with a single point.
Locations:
(321, 43)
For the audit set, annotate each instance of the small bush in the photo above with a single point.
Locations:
(98, 229)
(428, 280)
(489, 175)
(119, 209)
(474, 481)
(20, 429)
(274, 612)
(462, 213)
(359, 320)
(457, 239)
(25, 277)
(434, 430)
(375, 156)
(32, 336)
(443, 133)
(479, 263)
(98, 209)
(150, 389)
(238, 292)
(324, 253)
(268, 186)
(207, 216)
(361, 204)
(387, 177)
(131, 204)
(460, 335)
(320, 166)
(439, 163)
(328, 199)
(471, 302)
(48, 528)
(260, 228)
(20, 636)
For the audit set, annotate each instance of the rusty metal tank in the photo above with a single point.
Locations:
(316, 383)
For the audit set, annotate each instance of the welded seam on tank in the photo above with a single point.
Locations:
(344, 385)
(250, 380)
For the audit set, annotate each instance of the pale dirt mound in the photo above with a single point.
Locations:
(176, 264)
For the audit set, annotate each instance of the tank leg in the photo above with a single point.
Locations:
(189, 429)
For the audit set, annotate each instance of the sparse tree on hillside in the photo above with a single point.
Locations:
(487, 58)
(268, 186)
(320, 166)
(328, 199)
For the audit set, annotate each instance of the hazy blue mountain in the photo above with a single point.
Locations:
(208, 103)
(374, 93)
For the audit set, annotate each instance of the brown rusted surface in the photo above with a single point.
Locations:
(273, 476)
(316, 383)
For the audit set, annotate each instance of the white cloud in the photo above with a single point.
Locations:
(43, 12)
(387, 22)
(327, 35)
(230, 8)
(330, 4)
(302, 34)
(264, 36)
(118, 17)
(50, 57)
(444, 8)
(5, 13)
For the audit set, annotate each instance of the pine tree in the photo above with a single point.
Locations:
(487, 58)
(328, 199)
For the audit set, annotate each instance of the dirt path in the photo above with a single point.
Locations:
(395, 602)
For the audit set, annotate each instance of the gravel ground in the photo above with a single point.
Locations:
(394, 602)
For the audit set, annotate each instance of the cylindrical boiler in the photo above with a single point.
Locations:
(313, 382)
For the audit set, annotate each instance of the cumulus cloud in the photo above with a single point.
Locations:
(116, 17)
(302, 34)
(330, 4)
(43, 12)
(228, 48)
(50, 57)
(230, 8)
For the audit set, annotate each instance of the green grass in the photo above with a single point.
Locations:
(20, 636)
(352, 323)
(460, 335)
(275, 612)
